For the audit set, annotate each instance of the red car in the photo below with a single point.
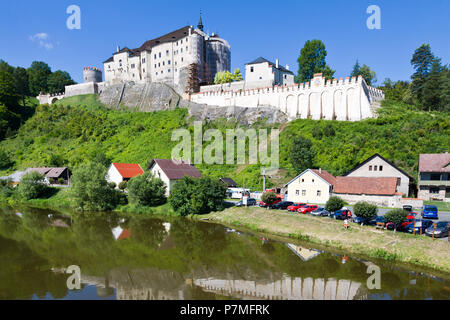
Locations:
(295, 207)
(265, 205)
(307, 208)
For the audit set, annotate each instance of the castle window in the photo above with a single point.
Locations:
(181, 50)
(155, 55)
(157, 73)
(120, 62)
(186, 48)
(168, 62)
(159, 64)
(160, 54)
(167, 52)
(132, 66)
(181, 40)
(182, 59)
(162, 72)
(143, 60)
(187, 39)
(175, 63)
(155, 65)
(143, 70)
(163, 63)
(168, 70)
(251, 69)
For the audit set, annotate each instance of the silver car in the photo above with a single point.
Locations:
(320, 212)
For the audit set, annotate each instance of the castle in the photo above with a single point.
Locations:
(188, 59)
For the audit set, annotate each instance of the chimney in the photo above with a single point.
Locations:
(320, 170)
(287, 67)
(276, 63)
(118, 48)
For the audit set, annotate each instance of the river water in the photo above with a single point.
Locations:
(151, 258)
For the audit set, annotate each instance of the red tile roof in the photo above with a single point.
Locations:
(129, 170)
(325, 175)
(175, 170)
(434, 162)
(365, 185)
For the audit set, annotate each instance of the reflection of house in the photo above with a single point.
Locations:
(378, 191)
(377, 166)
(120, 233)
(434, 176)
(303, 253)
(228, 182)
(170, 171)
(311, 186)
(119, 172)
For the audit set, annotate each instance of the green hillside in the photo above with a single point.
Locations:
(79, 128)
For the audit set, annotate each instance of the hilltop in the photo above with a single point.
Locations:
(77, 129)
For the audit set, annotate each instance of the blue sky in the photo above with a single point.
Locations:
(36, 30)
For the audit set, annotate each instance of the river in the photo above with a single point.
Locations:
(154, 258)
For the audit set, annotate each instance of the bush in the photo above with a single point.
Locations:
(90, 190)
(146, 190)
(61, 180)
(365, 210)
(269, 197)
(123, 185)
(396, 216)
(33, 186)
(5, 161)
(112, 185)
(197, 196)
(334, 204)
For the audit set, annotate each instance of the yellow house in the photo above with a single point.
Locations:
(311, 186)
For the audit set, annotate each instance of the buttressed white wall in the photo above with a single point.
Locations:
(345, 100)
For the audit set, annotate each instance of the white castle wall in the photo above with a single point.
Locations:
(345, 100)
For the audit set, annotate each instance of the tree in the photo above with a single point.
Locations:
(237, 76)
(58, 80)
(38, 75)
(32, 186)
(223, 77)
(269, 197)
(365, 72)
(421, 61)
(21, 83)
(5, 160)
(312, 60)
(334, 204)
(445, 90)
(90, 190)
(123, 185)
(8, 93)
(431, 94)
(197, 196)
(146, 190)
(365, 210)
(302, 154)
(396, 216)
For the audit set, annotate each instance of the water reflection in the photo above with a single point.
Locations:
(148, 258)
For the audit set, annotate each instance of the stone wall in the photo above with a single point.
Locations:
(392, 201)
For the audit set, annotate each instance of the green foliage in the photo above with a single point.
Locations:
(227, 76)
(21, 83)
(146, 190)
(365, 210)
(5, 160)
(364, 71)
(89, 189)
(112, 185)
(58, 80)
(32, 186)
(123, 185)
(8, 93)
(396, 216)
(38, 74)
(334, 204)
(302, 153)
(312, 60)
(197, 196)
(269, 197)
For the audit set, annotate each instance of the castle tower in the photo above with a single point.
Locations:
(92, 74)
(200, 23)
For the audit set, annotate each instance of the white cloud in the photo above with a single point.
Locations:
(42, 39)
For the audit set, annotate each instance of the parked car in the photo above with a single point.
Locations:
(375, 220)
(295, 207)
(265, 205)
(320, 212)
(430, 212)
(307, 209)
(282, 205)
(407, 207)
(359, 220)
(342, 214)
(441, 230)
(250, 202)
(418, 226)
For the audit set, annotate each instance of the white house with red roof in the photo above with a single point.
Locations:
(311, 186)
(119, 172)
(170, 171)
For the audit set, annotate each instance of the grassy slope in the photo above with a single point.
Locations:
(72, 135)
(362, 240)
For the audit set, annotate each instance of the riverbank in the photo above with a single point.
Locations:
(361, 240)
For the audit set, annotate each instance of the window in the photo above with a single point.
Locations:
(182, 59)
(157, 73)
(159, 55)
(143, 60)
(181, 41)
(168, 62)
(155, 65)
(319, 193)
(187, 40)
(159, 64)
(155, 55)
(133, 75)
(186, 48)
(434, 190)
(285, 76)
(435, 176)
(251, 69)
(297, 192)
(162, 71)
(312, 180)
(167, 53)
(175, 63)
(168, 70)
(303, 180)
(380, 168)
(303, 192)
(120, 62)
(374, 168)
(143, 70)
(164, 63)
(181, 50)
(132, 66)
(370, 168)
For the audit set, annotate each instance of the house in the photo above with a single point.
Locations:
(170, 171)
(381, 191)
(434, 176)
(119, 172)
(52, 175)
(228, 182)
(376, 166)
(263, 70)
(311, 186)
